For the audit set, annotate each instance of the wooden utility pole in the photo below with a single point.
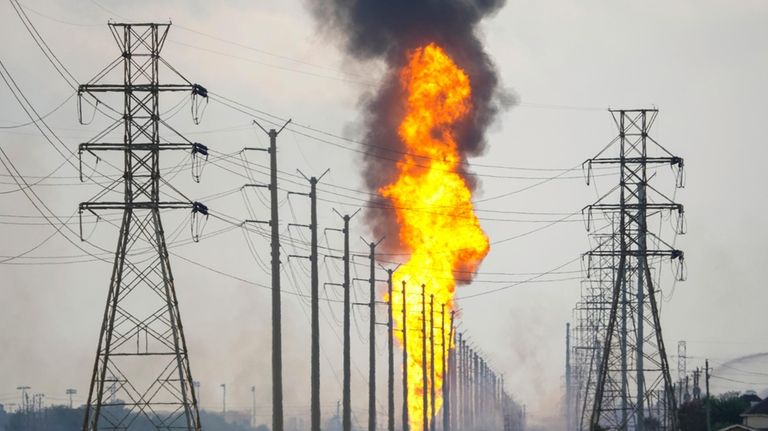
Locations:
(432, 360)
(391, 357)
(425, 402)
(462, 381)
(452, 379)
(446, 373)
(709, 401)
(315, 418)
(406, 423)
(274, 224)
(315, 293)
(372, 340)
(346, 421)
(277, 338)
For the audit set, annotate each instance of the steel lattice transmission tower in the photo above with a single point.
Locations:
(591, 314)
(682, 356)
(634, 389)
(142, 352)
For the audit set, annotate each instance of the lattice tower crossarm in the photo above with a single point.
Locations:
(142, 352)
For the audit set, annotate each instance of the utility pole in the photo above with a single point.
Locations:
(446, 374)
(315, 292)
(346, 421)
(568, 395)
(314, 301)
(39, 401)
(371, 304)
(224, 401)
(432, 359)
(633, 304)
(406, 422)
(71, 392)
(472, 382)
(460, 404)
(253, 406)
(372, 338)
(709, 401)
(696, 387)
(274, 223)
(464, 376)
(142, 304)
(391, 356)
(450, 402)
(347, 396)
(425, 403)
(472, 386)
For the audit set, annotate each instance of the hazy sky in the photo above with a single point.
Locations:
(702, 63)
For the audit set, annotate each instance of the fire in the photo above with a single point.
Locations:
(434, 210)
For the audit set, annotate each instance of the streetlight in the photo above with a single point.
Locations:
(38, 399)
(71, 392)
(224, 401)
(24, 397)
(253, 408)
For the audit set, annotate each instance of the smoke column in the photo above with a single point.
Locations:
(427, 117)
(388, 30)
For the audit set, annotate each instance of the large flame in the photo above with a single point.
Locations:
(434, 211)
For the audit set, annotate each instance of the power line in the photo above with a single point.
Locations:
(51, 56)
(274, 119)
(46, 115)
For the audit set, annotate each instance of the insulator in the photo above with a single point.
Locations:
(199, 158)
(199, 207)
(199, 148)
(80, 109)
(198, 223)
(198, 91)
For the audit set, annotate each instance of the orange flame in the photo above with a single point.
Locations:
(434, 211)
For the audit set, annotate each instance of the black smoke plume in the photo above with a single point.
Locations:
(387, 30)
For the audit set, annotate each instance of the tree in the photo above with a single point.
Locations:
(692, 416)
(727, 410)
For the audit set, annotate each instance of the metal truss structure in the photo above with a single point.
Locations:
(142, 353)
(621, 371)
(588, 334)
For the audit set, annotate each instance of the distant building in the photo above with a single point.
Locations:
(750, 397)
(737, 428)
(757, 416)
(3, 417)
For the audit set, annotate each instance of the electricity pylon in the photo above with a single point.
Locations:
(142, 352)
(591, 313)
(634, 363)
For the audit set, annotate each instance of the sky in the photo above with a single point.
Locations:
(701, 63)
